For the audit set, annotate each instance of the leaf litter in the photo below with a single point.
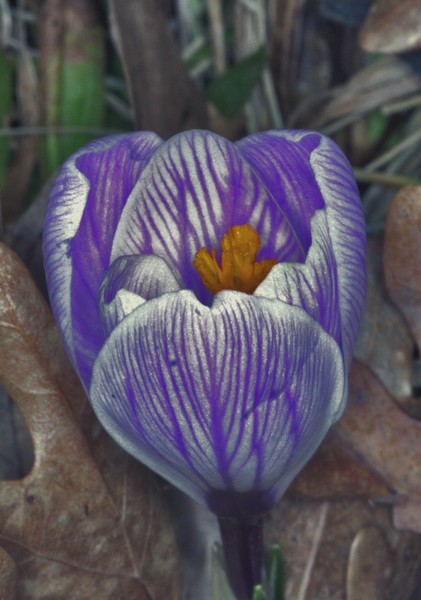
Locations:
(87, 521)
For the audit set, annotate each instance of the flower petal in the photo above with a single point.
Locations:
(282, 160)
(196, 186)
(235, 397)
(129, 282)
(82, 215)
(347, 231)
(312, 285)
(331, 284)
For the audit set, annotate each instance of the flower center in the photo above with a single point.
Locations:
(239, 269)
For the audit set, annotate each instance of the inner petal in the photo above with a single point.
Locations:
(129, 282)
(195, 188)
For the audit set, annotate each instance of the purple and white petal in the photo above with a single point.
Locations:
(282, 161)
(195, 187)
(317, 189)
(347, 231)
(84, 208)
(312, 285)
(235, 397)
(131, 281)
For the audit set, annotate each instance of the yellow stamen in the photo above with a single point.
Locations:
(239, 269)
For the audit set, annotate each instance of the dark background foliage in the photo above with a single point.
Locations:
(78, 518)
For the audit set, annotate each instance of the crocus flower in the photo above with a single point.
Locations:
(221, 368)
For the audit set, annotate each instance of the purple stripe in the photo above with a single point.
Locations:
(240, 195)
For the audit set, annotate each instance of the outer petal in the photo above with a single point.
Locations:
(196, 186)
(85, 205)
(347, 231)
(331, 285)
(230, 400)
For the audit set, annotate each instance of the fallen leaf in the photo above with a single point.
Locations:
(76, 526)
(406, 514)
(320, 543)
(370, 565)
(380, 82)
(165, 99)
(402, 256)
(384, 438)
(334, 473)
(392, 27)
(315, 540)
(16, 452)
(7, 576)
(300, 57)
(384, 342)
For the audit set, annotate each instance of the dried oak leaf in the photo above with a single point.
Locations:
(385, 343)
(392, 26)
(77, 527)
(387, 440)
(7, 576)
(334, 473)
(318, 544)
(402, 256)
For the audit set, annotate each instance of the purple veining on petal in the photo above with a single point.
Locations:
(111, 175)
(331, 284)
(312, 285)
(347, 233)
(130, 281)
(229, 396)
(281, 159)
(201, 385)
(196, 186)
(148, 276)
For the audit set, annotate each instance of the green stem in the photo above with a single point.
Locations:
(242, 540)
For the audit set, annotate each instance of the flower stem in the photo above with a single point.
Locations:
(242, 540)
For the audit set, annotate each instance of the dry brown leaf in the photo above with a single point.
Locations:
(75, 528)
(384, 343)
(380, 82)
(7, 576)
(16, 452)
(392, 26)
(165, 99)
(406, 514)
(370, 565)
(300, 58)
(333, 474)
(331, 547)
(402, 256)
(382, 435)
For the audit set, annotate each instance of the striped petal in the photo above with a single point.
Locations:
(320, 197)
(195, 187)
(131, 281)
(229, 400)
(282, 159)
(84, 208)
(347, 232)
